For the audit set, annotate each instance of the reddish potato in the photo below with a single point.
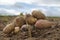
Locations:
(44, 24)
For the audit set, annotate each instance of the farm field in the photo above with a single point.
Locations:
(52, 33)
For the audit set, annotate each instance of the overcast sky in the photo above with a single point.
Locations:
(48, 7)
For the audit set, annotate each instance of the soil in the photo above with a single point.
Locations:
(52, 33)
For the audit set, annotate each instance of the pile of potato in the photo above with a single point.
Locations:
(36, 18)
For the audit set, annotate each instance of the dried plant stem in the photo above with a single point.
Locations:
(29, 30)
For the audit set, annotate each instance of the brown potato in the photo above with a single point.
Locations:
(28, 15)
(19, 21)
(31, 20)
(9, 28)
(44, 24)
(16, 30)
(37, 14)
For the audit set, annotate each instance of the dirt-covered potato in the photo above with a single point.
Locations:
(9, 28)
(44, 24)
(19, 21)
(37, 14)
(16, 30)
(25, 27)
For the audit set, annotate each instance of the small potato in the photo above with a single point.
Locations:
(16, 30)
(9, 28)
(37, 14)
(44, 24)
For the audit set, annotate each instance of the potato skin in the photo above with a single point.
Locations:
(44, 24)
(9, 28)
(31, 20)
(19, 21)
(37, 14)
(28, 15)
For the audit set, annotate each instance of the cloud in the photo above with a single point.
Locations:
(48, 7)
(22, 7)
(10, 2)
(53, 11)
(5, 2)
(48, 1)
(15, 10)
(8, 12)
(35, 2)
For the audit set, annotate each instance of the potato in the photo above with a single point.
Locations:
(19, 21)
(29, 19)
(44, 24)
(28, 15)
(37, 14)
(9, 28)
(25, 28)
(16, 30)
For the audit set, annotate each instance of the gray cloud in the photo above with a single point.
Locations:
(47, 2)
